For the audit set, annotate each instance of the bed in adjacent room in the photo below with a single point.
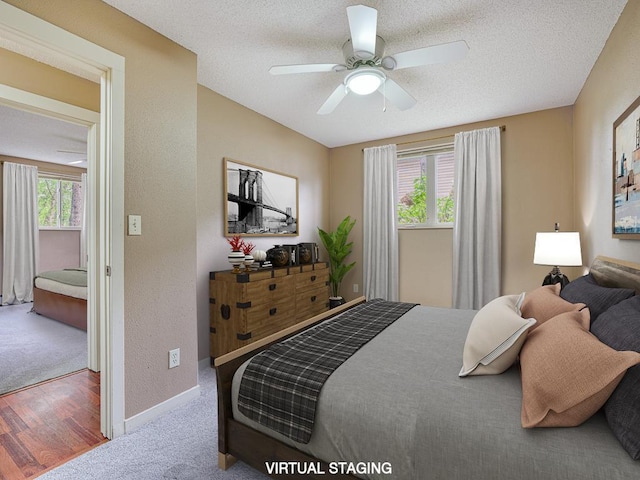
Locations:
(62, 296)
(425, 398)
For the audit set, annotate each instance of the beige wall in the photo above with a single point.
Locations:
(537, 191)
(59, 249)
(226, 129)
(27, 74)
(160, 185)
(611, 87)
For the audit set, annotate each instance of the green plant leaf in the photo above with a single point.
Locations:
(338, 249)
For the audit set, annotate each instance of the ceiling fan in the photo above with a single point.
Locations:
(75, 152)
(366, 63)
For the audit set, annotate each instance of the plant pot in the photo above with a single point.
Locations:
(236, 259)
(248, 261)
(335, 302)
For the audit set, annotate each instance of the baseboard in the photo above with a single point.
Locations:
(142, 418)
(204, 363)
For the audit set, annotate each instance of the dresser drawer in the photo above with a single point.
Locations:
(309, 304)
(271, 314)
(267, 328)
(267, 291)
(312, 280)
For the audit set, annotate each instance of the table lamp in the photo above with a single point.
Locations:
(557, 249)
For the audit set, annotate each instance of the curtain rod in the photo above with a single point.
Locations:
(502, 129)
(52, 173)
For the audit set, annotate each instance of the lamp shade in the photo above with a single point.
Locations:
(558, 249)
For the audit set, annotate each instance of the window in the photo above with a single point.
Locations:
(59, 203)
(425, 188)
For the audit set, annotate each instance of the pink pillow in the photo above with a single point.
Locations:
(567, 373)
(544, 303)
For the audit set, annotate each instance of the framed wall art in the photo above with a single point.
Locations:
(259, 201)
(626, 173)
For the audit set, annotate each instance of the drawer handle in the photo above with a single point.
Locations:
(273, 311)
(313, 299)
(272, 286)
(225, 311)
(313, 278)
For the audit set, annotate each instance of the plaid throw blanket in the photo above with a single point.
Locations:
(280, 386)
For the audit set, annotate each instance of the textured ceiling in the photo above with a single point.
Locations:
(37, 137)
(524, 56)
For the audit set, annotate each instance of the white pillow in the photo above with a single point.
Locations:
(495, 337)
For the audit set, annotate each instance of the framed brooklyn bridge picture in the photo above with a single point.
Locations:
(259, 201)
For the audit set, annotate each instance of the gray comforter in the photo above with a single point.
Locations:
(399, 400)
(69, 276)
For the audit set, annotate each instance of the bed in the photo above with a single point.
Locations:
(428, 422)
(62, 296)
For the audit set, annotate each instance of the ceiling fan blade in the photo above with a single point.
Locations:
(444, 53)
(362, 24)
(333, 101)
(309, 68)
(397, 95)
(75, 152)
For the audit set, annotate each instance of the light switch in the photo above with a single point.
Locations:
(135, 225)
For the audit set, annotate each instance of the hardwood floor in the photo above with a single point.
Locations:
(46, 425)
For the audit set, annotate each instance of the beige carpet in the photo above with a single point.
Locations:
(34, 348)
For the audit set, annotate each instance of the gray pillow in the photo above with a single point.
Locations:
(619, 327)
(586, 290)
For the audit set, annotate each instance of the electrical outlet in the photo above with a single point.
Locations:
(355, 288)
(174, 358)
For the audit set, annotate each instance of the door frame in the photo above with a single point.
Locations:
(106, 252)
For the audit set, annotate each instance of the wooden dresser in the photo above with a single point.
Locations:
(245, 307)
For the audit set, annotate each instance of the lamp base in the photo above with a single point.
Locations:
(556, 276)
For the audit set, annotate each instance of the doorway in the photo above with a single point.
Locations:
(39, 348)
(106, 251)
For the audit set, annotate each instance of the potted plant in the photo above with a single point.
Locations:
(236, 257)
(338, 249)
(247, 248)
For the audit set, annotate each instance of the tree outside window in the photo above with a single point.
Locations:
(425, 190)
(59, 203)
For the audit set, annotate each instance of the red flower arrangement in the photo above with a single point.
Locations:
(236, 243)
(247, 247)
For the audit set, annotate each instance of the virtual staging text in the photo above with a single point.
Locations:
(332, 468)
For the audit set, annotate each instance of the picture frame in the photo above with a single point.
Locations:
(259, 201)
(626, 174)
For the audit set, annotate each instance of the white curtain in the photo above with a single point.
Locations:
(83, 232)
(20, 232)
(380, 223)
(477, 230)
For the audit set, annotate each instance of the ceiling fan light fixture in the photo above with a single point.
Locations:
(364, 82)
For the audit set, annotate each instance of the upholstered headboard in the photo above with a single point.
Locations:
(611, 272)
